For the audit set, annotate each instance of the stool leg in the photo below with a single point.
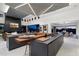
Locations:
(25, 50)
(29, 50)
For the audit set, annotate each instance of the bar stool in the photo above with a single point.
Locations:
(27, 40)
(23, 42)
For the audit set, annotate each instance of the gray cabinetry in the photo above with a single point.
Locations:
(47, 48)
(11, 42)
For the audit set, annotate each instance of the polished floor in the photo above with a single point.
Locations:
(70, 47)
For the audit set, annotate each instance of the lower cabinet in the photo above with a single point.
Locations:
(43, 49)
(12, 44)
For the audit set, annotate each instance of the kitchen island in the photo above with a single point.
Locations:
(46, 46)
(11, 42)
(18, 40)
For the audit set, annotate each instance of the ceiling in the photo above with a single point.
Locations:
(35, 8)
(15, 13)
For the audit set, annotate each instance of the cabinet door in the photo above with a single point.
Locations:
(38, 49)
(54, 46)
(51, 49)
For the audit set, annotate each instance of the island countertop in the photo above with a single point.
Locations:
(48, 39)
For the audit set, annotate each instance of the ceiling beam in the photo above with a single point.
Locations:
(47, 9)
(20, 6)
(32, 9)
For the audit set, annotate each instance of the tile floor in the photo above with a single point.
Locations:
(70, 47)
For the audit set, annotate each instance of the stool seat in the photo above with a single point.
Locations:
(22, 41)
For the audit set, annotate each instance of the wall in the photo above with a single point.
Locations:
(4, 8)
(64, 15)
(27, 17)
(2, 19)
(11, 20)
(77, 29)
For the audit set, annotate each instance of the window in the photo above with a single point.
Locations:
(1, 15)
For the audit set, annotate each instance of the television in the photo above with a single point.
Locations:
(33, 28)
